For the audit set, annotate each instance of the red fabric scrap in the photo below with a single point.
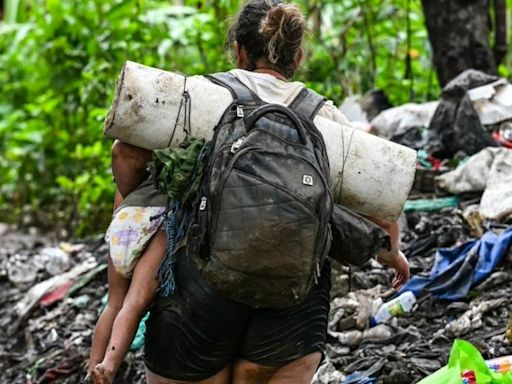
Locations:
(57, 294)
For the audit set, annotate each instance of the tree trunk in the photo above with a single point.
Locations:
(459, 35)
(500, 31)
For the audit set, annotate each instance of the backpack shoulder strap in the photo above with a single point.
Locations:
(307, 103)
(239, 90)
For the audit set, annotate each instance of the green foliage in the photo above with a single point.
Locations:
(11, 10)
(58, 73)
(359, 45)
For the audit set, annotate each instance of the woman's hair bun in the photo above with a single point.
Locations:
(283, 27)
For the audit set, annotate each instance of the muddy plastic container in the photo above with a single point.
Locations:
(370, 175)
(147, 104)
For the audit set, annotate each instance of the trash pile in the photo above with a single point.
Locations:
(51, 296)
(462, 290)
(456, 232)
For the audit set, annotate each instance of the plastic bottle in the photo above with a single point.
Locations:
(500, 364)
(395, 307)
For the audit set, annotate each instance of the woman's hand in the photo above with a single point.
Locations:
(399, 263)
(393, 258)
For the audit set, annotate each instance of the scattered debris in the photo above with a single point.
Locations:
(396, 121)
(48, 320)
(456, 270)
(489, 171)
(411, 347)
(472, 319)
(456, 232)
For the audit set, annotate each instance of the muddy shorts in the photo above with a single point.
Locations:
(133, 225)
(197, 332)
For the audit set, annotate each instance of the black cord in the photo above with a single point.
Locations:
(184, 97)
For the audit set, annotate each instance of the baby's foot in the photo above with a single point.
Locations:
(101, 375)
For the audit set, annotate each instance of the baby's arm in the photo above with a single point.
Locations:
(142, 289)
(117, 289)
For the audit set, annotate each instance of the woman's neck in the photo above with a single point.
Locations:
(270, 71)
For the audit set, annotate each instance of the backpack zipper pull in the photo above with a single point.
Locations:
(240, 111)
(202, 205)
(237, 144)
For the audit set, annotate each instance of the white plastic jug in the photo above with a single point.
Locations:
(370, 175)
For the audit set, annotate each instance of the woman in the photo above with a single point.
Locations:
(200, 336)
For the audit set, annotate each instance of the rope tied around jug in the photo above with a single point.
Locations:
(339, 185)
(186, 106)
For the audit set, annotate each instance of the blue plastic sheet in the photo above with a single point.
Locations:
(458, 269)
(365, 380)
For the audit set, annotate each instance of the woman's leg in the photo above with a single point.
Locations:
(285, 345)
(223, 377)
(193, 335)
(299, 371)
(142, 289)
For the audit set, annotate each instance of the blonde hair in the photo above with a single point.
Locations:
(283, 27)
(272, 30)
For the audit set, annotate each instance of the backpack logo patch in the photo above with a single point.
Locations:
(307, 180)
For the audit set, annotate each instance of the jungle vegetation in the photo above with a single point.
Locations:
(59, 62)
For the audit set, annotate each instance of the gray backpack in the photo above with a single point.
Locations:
(260, 228)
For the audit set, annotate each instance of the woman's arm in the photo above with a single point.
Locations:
(129, 166)
(393, 258)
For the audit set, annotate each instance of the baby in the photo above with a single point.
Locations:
(137, 247)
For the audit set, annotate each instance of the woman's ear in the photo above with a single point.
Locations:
(299, 57)
(241, 55)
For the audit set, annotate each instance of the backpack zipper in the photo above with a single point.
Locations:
(202, 205)
(237, 144)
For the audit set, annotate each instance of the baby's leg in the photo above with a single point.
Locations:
(140, 294)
